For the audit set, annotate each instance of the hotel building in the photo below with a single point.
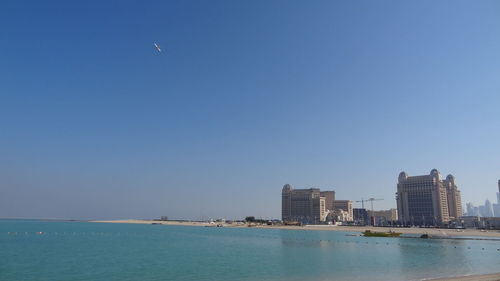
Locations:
(428, 199)
(306, 206)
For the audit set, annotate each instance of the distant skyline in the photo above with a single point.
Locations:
(244, 97)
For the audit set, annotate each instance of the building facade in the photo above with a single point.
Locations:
(387, 215)
(491, 223)
(496, 207)
(306, 206)
(360, 216)
(339, 216)
(428, 199)
(329, 199)
(345, 205)
(498, 193)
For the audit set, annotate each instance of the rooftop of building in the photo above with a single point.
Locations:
(288, 187)
(434, 174)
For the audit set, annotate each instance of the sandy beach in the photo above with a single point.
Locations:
(407, 230)
(483, 277)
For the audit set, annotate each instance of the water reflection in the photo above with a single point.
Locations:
(335, 256)
(419, 258)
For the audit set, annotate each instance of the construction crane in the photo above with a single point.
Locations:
(371, 201)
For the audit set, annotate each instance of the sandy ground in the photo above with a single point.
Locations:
(485, 277)
(430, 231)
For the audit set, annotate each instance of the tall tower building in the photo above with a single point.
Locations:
(498, 194)
(496, 207)
(302, 205)
(454, 199)
(428, 199)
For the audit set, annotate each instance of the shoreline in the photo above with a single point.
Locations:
(403, 230)
(479, 277)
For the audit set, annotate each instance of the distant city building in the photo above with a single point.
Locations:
(428, 199)
(481, 210)
(470, 209)
(345, 205)
(302, 205)
(488, 209)
(498, 193)
(496, 207)
(496, 210)
(360, 216)
(476, 211)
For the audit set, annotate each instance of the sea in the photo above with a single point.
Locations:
(34, 250)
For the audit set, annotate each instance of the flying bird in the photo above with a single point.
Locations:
(157, 47)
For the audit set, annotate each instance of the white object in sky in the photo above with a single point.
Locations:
(157, 47)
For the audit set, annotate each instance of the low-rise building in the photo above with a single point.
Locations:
(360, 216)
(388, 215)
(345, 205)
(385, 217)
(339, 215)
(471, 221)
(491, 222)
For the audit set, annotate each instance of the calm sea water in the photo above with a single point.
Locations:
(94, 251)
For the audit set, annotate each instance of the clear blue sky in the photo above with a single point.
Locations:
(247, 96)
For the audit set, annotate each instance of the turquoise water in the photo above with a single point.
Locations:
(94, 251)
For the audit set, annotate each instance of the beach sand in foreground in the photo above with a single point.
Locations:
(484, 277)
